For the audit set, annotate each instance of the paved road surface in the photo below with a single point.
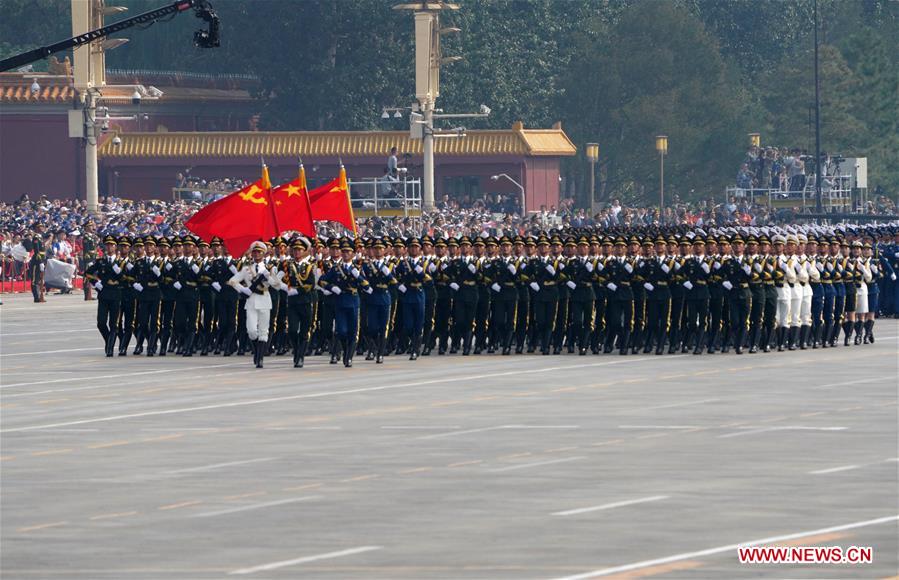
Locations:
(450, 467)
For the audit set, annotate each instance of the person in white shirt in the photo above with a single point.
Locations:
(254, 281)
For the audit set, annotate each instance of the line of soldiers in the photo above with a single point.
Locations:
(585, 291)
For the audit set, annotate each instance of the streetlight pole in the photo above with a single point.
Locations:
(592, 156)
(524, 211)
(818, 204)
(662, 148)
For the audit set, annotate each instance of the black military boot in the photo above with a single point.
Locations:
(348, 353)
(261, 348)
(859, 324)
(847, 332)
(336, 350)
(869, 331)
(803, 336)
(379, 348)
(792, 333)
(110, 344)
(139, 346)
(416, 344)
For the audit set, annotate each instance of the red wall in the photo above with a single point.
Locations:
(542, 182)
(38, 157)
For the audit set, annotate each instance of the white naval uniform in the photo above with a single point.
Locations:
(803, 277)
(258, 306)
(861, 293)
(785, 294)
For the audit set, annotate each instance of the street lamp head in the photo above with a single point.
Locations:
(662, 143)
(398, 114)
(755, 139)
(385, 114)
(135, 97)
(494, 177)
(593, 152)
(117, 141)
(485, 110)
(35, 88)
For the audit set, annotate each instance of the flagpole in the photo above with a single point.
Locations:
(268, 195)
(349, 202)
(302, 177)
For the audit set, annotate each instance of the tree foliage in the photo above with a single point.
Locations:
(705, 72)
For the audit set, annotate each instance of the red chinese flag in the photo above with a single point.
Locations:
(240, 218)
(292, 206)
(331, 202)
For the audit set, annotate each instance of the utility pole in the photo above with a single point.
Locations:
(428, 59)
(818, 202)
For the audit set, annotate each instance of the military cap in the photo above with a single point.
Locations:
(542, 240)
(124, 241)
(856, 244)
(301, 242)
(164, 243)
(398, 242)
(138, 242)
(377, 243)
(203, 243)
(452, 242)
(149, 241)
(478, 242)
(698, 241)
(737, 239)
(258, 245)
(633, 240)
(464, 240)
(440, 242)
(648, 242)
(555, 240)
(334, 243)
(504, 240)
(606, 241)
(176, 241)
(413, 242)
(620, 241)
(426, 239)
(582, 241)
(346, 244)
(216, 241)
(530, 241)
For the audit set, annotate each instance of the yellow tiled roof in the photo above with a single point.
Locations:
(540, 142)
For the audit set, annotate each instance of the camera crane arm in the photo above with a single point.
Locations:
(204, 39)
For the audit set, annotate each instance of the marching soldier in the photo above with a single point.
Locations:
(147, 274)
(431, 261)
(128, 296)
(187, 307)
(379, 272)
(656, 274)
(464, 274)
(736, 275)
(227, 301)
(504, 286)
(300, 284)
(620, 307)
(255, 281)
(344, 281)
(545, 276)
(105, 276)
(207, 295)
(444, 295)
(696, 271)
(580, 274)
(410, 277)
(89, 246)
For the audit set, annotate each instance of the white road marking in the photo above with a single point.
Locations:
(727, 548)
(303, 396)
(834, 469)
(54, 332)
(285, 563)
(426, 427)
(254, 506)
(657, 426)
(498, 427)
(846, 383)
(117, 376)
(609, 506)
(850, 467)
(215, 466)
(538, 464)
(782, 428)
(686, 404)
(96, 348)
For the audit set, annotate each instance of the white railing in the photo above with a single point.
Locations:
(836, 190)
(379, 194)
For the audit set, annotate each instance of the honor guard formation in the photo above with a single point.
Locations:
(625, 290)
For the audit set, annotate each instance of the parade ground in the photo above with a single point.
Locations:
(449, 467)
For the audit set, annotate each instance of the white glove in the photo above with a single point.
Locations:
(472, 268)
(819, 266)
(325, 292)
(195, 268)
(550, 269)
(369, 289)
(217, 286)
(705, 268)
(893, 277)
(600, 267)
(758, 267)
(665, 268)
(534, 286)
(454, 286)
(292, 292)
(168, 267)
(896, 255)
(511, 268)
(419, 269)
(444, 266)
(589, 266)
(649, 286)
(727, 285)
(676, 266)
(783, 265)
(612, 286)
(432, 267)
(336, 290)
(571, 284)
(233, 269)
(628, 267)
(129, 266)
(688, 285)
(355, 272)
(43, 266)
(98, 286)
(873, 269)
(401, 288)
(830, 267)
(495, 287)
(717, 265)
(116, 269)
(747, 269)
(137, 287)
(245, 290)
(385, 270)
(279, 275)
(156, 271)
(177, 285)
